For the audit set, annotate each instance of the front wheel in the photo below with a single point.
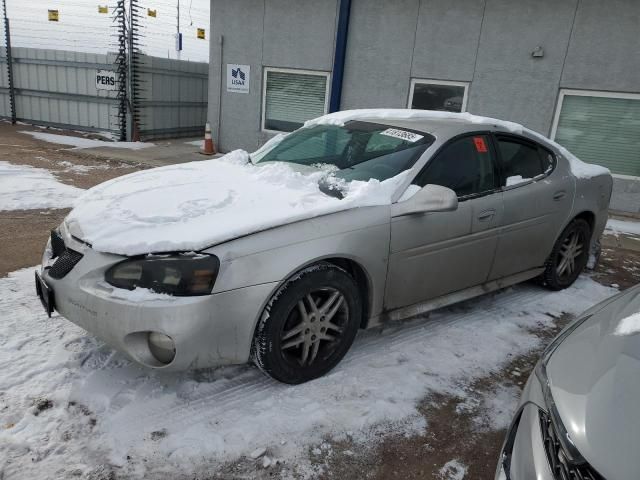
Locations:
(568, 257)
(309, 324)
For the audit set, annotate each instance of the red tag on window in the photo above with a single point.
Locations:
(480, 145)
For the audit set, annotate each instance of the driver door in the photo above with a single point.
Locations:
(433, 254)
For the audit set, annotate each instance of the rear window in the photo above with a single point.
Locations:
(522, 161)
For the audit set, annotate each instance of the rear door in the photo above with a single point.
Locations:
(538, 195)
(433, 254)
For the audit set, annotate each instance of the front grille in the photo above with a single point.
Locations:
(64, 264)
(66, 258)
(57, 244)
(560, 466)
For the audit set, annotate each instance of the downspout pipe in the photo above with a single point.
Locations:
(339, 55)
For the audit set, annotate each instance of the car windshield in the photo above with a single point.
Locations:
(355, 151)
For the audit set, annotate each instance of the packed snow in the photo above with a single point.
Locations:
(81, 143)
(453, 470)
(629, 325)
(71, 406)
(23, 187)
(579, 168)
(195, 205)
(625, 227)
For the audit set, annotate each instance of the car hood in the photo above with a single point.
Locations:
(595, 383)
(195, 205)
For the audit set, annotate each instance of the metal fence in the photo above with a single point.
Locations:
(59, 88)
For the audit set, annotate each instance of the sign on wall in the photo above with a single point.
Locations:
(105, 80)
(53, 15)
(238, 78)
(200, 33)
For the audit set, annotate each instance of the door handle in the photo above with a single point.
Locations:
(559, 195)
(486, 215)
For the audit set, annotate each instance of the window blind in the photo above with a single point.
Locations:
(293, 98)
(601, 130)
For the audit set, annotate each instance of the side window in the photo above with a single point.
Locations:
(522, 161)
(464, 165)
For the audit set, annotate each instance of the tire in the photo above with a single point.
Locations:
(291, 325)
(569, 256)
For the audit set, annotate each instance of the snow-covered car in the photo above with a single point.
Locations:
(578, 415)
(358, 218)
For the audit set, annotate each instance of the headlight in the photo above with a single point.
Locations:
(176, 274)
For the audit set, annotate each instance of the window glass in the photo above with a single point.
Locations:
(520, 161)
(356, 151)
(602, 130)
(431, 96)
(465, 166)
(293, 98)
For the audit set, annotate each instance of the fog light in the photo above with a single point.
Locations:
(162, 347)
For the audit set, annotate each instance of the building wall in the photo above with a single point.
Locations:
(588, 44)
(262, 33)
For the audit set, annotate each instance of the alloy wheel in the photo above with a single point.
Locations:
(314, 327)
(571, 250)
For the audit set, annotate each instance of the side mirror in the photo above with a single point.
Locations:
(431, 198)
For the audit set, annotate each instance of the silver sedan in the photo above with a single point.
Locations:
(476, 205)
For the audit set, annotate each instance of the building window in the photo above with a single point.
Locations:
(601, 128)
(438, 95)
(291, 97)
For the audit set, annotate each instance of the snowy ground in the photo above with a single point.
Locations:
(71, 405)
(26, 187)
(627, 227)
(80, 142)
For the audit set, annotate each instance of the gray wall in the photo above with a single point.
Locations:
(588, 44)
(259, 33)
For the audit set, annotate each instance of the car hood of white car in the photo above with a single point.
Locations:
(594, 376)
(191, 206)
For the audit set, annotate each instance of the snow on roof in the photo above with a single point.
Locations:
(629, 325)
(579, 168)
(340, 118)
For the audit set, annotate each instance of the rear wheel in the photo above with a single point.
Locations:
(309, 325)
(568, 257)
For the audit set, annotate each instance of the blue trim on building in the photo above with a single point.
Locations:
(339, 55)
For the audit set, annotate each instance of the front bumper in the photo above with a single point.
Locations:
(208, 330)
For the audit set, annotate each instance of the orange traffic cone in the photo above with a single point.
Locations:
(209, 147)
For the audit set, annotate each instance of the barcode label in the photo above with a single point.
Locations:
(402, 135)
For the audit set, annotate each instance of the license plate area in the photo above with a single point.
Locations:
(45, 294)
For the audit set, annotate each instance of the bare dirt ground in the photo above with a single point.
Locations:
(458, 428)
(23, 233)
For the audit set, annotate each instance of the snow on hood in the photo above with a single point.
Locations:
(194, 205)
(579, 168)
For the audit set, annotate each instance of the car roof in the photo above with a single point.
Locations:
(446, 126)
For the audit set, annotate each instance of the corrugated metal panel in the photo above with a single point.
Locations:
(173, 100)
(58, 87)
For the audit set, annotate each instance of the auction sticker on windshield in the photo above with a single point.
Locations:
(402, 134)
